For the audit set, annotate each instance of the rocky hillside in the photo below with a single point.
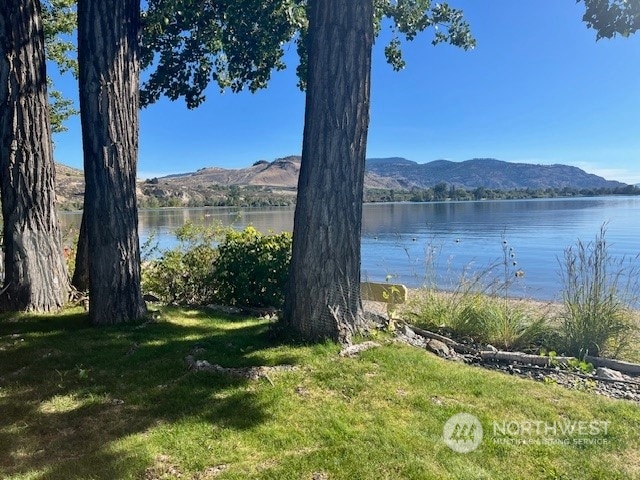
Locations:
(69, 187)
(276, 181)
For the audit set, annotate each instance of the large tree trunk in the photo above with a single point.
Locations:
(80, 279)
(35, 274)
(323, 298)
(109, 77)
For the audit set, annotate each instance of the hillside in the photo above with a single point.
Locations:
(69, 187)
(282, 172)
(275, 182)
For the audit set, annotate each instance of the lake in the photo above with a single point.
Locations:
(414, 243)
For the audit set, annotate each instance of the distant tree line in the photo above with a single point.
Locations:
(254, 196)
(443, 191)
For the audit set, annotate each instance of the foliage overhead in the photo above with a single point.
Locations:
(612, 17)
(187, 44)
(60, 20)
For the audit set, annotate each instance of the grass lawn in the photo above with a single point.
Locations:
(119, 402)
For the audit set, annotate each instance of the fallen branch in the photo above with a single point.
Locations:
(250, 373)
(524, 358)
(458, 347)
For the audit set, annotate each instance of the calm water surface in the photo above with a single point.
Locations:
(416, 243)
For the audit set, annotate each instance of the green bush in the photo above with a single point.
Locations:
(251, 268)
(599, 295)
(183, 275)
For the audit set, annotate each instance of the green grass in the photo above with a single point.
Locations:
(380, 415)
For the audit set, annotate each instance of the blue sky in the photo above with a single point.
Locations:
(538, 88)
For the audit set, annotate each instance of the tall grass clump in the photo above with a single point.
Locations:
(453, 313)
(512, 327)
(480, 318)
(599, 295)
(478, 308)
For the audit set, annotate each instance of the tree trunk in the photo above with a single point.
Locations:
(323, 298)
(109, 78)
(80, 280)
(35, 273)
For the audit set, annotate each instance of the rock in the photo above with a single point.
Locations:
(491, 348)
(438, 347)
(609, 374)
(408, 332)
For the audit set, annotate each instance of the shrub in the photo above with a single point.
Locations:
(183, 275)
(599, 294)
(251, 268)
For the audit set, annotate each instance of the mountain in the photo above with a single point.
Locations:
(487, 173)
(278, 179)
(282, 172)
(400, 173)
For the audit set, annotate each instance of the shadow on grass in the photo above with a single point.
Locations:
(69, 392)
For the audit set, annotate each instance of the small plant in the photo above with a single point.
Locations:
(573, 364)
(70, 247)
(580, 366)
(599, 294)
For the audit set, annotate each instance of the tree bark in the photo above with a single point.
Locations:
(109, 81)
(323, 299)
(80, 279)
(35, 273)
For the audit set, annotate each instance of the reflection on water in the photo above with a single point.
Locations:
(414, 242)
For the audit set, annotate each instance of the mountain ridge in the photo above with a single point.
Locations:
(488, 173)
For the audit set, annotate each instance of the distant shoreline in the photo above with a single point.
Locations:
(74, 207)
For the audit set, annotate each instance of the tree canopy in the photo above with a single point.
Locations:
(188, 44)
(612, 17)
